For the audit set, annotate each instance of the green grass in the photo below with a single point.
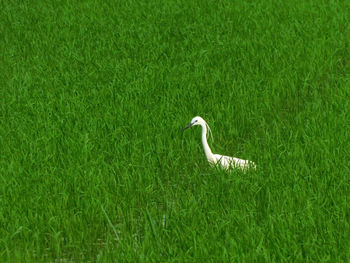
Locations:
(94, 168)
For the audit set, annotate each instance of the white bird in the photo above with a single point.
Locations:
(225, 162)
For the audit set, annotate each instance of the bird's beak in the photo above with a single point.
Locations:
(188, 126)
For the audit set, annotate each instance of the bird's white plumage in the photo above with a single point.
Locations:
(227, 161)
(218, 159)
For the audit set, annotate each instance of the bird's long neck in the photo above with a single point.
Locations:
(208, 153)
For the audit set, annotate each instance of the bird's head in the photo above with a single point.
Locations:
(195, 121)
(199, 121)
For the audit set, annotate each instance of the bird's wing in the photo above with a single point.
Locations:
(227, 161)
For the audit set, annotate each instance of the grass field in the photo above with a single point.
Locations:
(93, 164)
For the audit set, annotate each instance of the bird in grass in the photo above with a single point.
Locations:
(223, 161)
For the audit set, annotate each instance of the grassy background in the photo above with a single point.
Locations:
(93, 166)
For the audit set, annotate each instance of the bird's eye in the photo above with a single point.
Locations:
(195, 120)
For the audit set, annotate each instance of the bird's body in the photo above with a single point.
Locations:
(227, 161)
(218, 159)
